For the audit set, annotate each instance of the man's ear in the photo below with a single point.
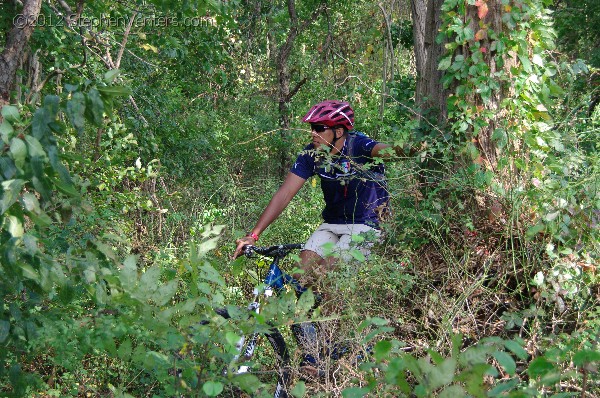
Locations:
(339, 132)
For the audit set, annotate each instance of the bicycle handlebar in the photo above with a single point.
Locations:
(276, 251)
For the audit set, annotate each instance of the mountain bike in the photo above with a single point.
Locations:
(274, 282)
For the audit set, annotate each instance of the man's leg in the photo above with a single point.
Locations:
(314, 267)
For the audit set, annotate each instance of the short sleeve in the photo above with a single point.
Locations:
(363, 146)
(304, 166)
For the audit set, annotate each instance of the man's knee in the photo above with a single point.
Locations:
(310, 268)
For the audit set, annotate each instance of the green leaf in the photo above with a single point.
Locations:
(66, 188)
(358, 255)
(29, 272)
(11, 113)
(248, 382)
(372, 321)
(6, 131)
(379, 331)
(212, 388)
(445, 63)
(382, 349)
(207, 245)
(516, 349)
(208, 272)
(125, 350)
(586, 356)
(306, 301)
(51, 105)
(358, 238)
(539, 367)
(452, 392)
(115, 91)
(299, 389)
(538, 60)
(232, 338)
(4, 330)
(442, 374)
(149, 280)
(355, 392)
(34, 146)
(110, 76)
(166, 292)
(506, 361)
(534, 230)
(129, 274)
(76, 111)
(11, 190)
(503, 387)
(157, 360)
(32, 206)
(526, 63)
(15, 226)
(95, 108)
(39, 124)
(7, 167)
(18, 150)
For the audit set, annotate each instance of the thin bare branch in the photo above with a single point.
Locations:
(125, 37)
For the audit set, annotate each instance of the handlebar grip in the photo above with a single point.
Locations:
(248, 250)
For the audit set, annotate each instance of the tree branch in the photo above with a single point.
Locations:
(125, 37)
(295, 89)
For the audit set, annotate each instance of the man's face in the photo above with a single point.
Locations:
(321, 135)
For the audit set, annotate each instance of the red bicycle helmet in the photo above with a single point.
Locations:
(331, 113)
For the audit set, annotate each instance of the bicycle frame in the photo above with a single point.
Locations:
(275, 280)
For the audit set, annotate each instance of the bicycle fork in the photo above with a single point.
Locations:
(279, 347)
(251, 346)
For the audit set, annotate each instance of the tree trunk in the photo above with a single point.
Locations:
(284, 92)
(483, 17)
(16, 42)
(492, 20)
(430, 96)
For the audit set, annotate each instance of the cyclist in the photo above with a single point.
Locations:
(352, 182)
(353, 188)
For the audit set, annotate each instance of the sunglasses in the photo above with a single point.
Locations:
(319, 128)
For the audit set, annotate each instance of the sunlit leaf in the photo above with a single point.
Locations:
(382, 349)
(11, 113)
(212, 388)
(15, 226)
(11, 190)
(299, 389)
(110, 76)
(506, 361)
(18, 150)
(358, 255)
(232, 338)
(6, 131)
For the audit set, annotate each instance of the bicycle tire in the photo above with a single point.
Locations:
(281, 353)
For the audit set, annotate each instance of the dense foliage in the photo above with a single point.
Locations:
(139, 143)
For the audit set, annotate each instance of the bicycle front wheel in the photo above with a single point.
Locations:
(277, 351)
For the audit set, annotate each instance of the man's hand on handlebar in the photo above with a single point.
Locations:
(241, 243)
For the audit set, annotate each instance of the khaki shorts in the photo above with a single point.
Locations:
(336, 239)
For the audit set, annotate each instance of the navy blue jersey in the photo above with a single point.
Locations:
(354, 192)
